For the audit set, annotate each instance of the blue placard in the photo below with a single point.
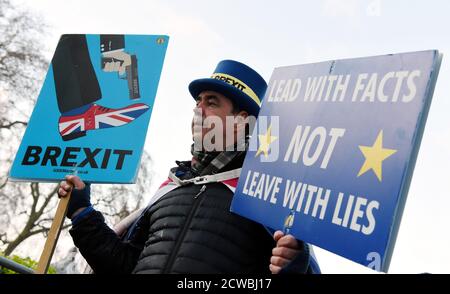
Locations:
(93, 111)
(333, 151)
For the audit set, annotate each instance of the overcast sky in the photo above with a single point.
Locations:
(268, 34)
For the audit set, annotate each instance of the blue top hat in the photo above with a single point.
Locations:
(238, 82)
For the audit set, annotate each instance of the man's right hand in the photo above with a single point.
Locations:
(80, 198)
(118, 61)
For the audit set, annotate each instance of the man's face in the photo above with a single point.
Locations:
(212, 105)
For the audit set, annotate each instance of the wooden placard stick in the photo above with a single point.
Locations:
(53, 234)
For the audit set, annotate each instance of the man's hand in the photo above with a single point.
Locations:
(119, 61)
(80, 195)
(286, 250)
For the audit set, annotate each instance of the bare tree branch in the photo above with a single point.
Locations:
(4, 183)
(47, 200)
(9, 125)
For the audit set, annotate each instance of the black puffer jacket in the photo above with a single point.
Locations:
(189, 230)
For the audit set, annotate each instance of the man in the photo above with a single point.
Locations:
(187, 226)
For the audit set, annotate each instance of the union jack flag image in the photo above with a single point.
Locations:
(98, 117)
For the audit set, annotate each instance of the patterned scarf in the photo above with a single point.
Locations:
(208, 163)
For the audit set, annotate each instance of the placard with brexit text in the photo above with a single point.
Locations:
(93, 111)
(333, 152)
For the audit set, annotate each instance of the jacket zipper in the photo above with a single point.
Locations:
(172, 256)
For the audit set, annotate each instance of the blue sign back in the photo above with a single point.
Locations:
(333, 152)
(93, 111)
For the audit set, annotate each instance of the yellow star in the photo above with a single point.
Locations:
(265, 141)
(375, 155)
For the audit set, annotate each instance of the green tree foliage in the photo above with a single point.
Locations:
(28, 262)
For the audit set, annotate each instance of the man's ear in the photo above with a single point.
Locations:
(241, 116)
(242, 113)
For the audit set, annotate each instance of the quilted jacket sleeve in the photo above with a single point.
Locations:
(102, 248)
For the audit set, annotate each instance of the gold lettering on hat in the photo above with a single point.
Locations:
(240, 85)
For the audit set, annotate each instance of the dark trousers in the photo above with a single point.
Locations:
(76, 83)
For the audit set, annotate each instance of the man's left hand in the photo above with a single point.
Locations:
(285, 251)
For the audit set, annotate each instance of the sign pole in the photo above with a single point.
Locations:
(53, 234)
